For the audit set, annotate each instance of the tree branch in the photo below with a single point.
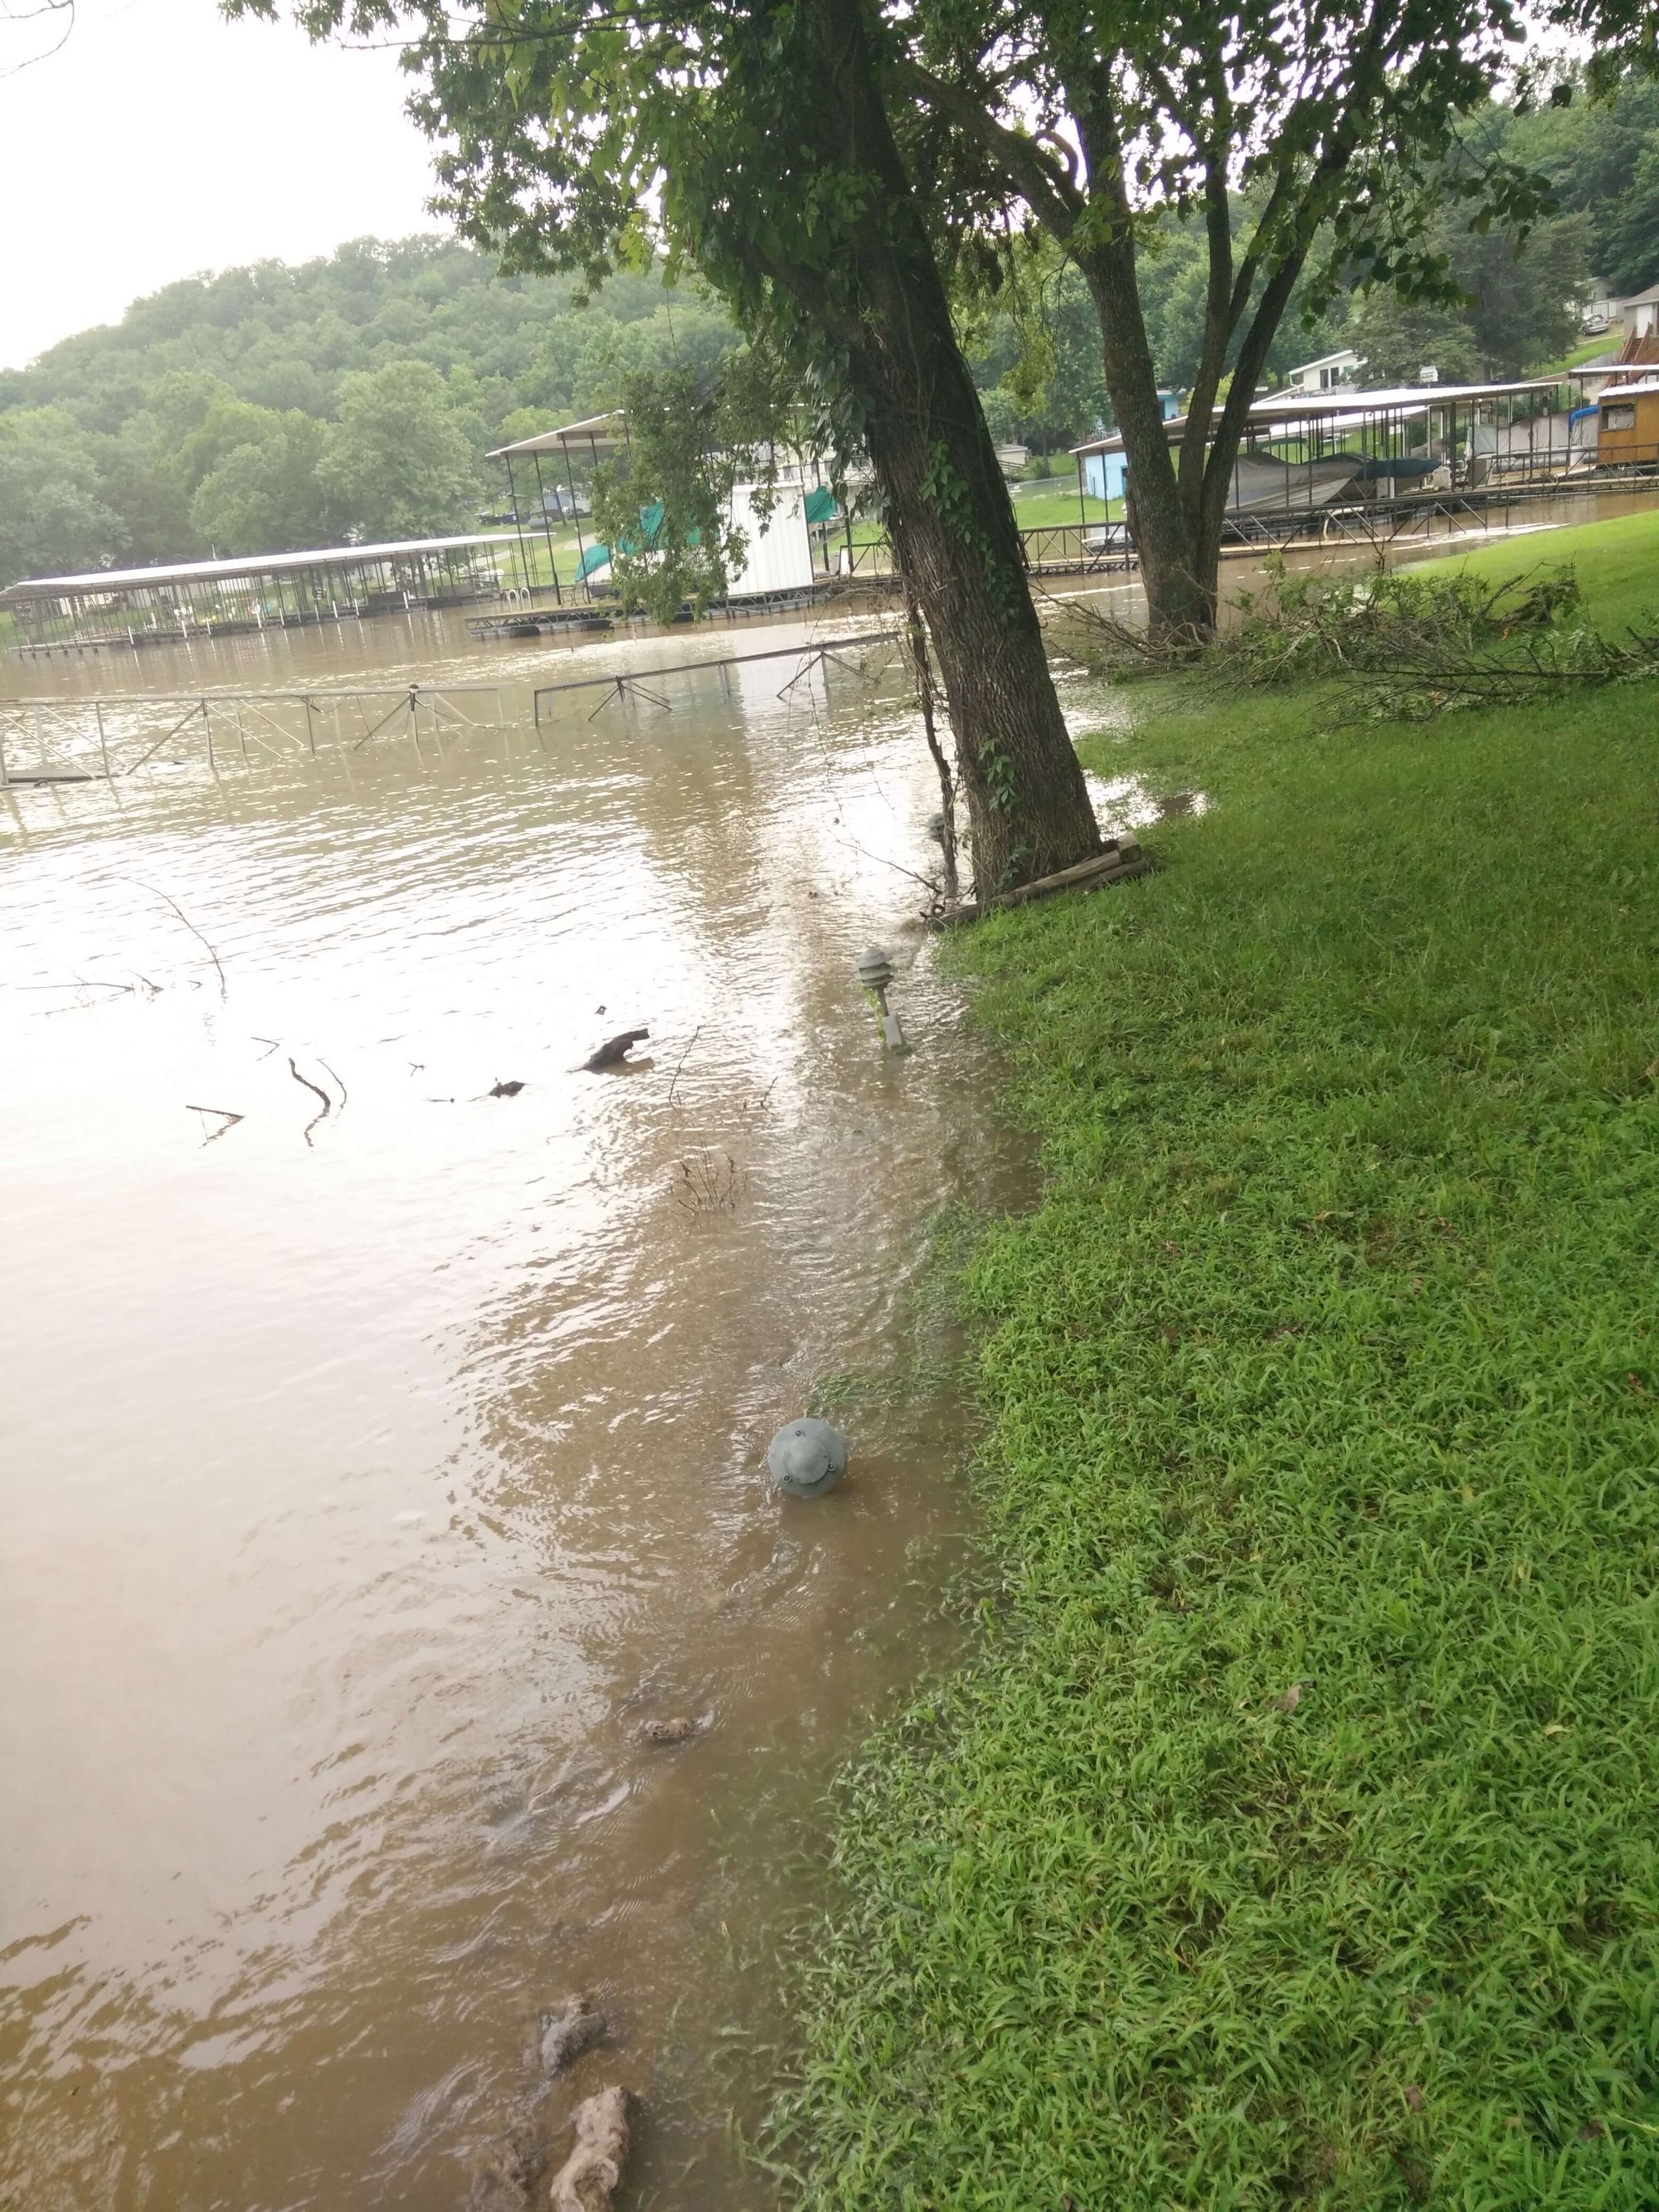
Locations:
(1218, 325)
(1034, 173)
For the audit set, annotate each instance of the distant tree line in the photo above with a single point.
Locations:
(273, 407)
(269, 407)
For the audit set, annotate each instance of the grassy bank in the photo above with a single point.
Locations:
(1617, 562)
(1291, 1840)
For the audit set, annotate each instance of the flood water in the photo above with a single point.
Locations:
(371, 1478)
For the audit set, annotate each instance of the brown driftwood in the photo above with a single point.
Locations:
(590, 2177)
(614, 1049)
(1121, 858)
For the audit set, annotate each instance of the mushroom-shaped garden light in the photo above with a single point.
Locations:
(875, 972)
(806, 1458)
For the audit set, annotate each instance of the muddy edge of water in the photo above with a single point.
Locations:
(377, 1476)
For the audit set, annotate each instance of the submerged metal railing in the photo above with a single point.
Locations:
(110, 737)
(622, 686)
(46, 741)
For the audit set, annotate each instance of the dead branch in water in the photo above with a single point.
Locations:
(708, 1182)
(681, 1061)
(81, 983)
(614, 1050)
(317, 1091)
(328, 1070)
(154, 892)
(227, 1120)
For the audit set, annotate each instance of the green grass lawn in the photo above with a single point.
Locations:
(507, 553)
(1037, 506)
(1590, 349)
(1617, 564)
(1290, 1837)
(1055, 500)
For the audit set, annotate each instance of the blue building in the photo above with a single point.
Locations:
(1103, 473)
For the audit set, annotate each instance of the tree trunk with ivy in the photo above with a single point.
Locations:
(955, 541)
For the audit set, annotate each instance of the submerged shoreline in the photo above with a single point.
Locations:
(1286, 1838)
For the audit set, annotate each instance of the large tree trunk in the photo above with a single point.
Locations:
(955, 541)
(1179, 584)
(1180, 587)
(1177, 516)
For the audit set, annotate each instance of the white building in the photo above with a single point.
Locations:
(1330, 370)
(1640, 313)
(1596, 307)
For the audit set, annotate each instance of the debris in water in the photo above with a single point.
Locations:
(614, 1050)
(224, 989)
(566, 2031)
(227, 1120)
(504, 1090)
(317, 1091)
(679, 1730)
(590, 2177)
(505, 2174)
(681, 1061)
(708, 1183)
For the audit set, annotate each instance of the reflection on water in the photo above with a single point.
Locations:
(372, 1478)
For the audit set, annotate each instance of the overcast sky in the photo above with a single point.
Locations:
(162, 140)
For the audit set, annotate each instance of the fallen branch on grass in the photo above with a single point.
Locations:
(1122, 859)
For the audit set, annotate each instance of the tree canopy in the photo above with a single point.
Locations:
(756, 144)
(1337, 123)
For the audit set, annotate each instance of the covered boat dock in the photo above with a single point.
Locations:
(1313, 461)
(556, 455)
(190, 600)
(789, 528)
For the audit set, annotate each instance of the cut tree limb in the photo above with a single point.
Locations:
(1122, 859)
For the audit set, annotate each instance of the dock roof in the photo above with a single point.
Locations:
(596, 430)
(250, 564)
(1347, 407)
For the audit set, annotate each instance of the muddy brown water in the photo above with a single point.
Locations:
(370, 1479)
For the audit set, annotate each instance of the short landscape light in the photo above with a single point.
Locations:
(875, 972)
(806, 1458)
